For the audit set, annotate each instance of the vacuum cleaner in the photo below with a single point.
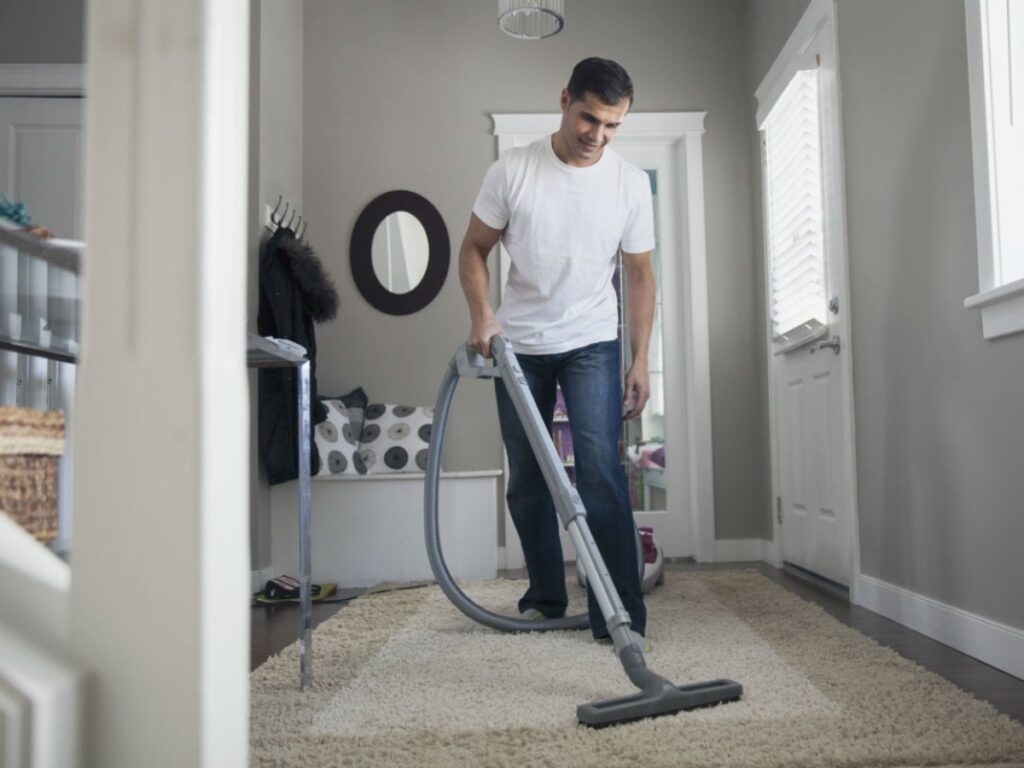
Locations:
(657, 696)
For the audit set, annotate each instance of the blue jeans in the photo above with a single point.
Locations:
(592, 387)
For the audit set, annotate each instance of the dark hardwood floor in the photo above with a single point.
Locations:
(275, 627)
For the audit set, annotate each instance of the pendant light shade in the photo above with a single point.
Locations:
(531, 19)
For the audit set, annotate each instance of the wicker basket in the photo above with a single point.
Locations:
(31, 442)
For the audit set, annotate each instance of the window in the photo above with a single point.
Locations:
(794, 215)
(995, 57)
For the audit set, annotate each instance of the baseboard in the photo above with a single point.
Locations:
(820, 583)
(770, 552)
(726, 551)
(260, 578)
(996, 644)
(741, 550)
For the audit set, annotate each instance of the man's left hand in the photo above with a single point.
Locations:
(636, 392)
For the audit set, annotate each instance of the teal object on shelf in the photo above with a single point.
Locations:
(16, 212)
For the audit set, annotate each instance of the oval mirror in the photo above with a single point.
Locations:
(399, 252)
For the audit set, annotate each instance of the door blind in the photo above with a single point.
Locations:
(795, 222)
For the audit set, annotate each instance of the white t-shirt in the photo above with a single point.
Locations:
(564, 227)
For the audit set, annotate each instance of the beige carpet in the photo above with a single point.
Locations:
(404, 679)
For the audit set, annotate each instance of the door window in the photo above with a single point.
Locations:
(794, 212)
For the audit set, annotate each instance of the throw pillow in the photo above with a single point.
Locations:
(355, 401)
(337, 440)
(395, 438)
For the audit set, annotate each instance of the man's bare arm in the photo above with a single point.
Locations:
(475, 278)
(640, 298)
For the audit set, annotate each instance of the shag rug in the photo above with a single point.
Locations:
(404, 679)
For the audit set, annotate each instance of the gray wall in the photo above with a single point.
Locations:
(768, 26)
(397, 96)
(770, 23)
(940, 411)
(275, 152)
(42, 31)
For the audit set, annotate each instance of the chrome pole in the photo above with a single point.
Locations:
(305, 585)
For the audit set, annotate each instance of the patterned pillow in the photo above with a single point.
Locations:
(395, 438)
(337, 439)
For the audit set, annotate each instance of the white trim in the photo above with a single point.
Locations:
(48, 689)
(258, 579)
(996, 644)
(405, 476)
(981, 142)
(682, 131)
(1002, 309)
(832, 119)
(42, 80)
(20, 552)
(745, 551)
(819, 14)
(166, 118)
(223, 483)
(791, 57)
(771, 552)
(1002, 306)
(697, 360)
(726, 551)
(16, 738)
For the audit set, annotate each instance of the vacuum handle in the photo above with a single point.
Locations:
(499, 344)
(470, 358)
(472, 364)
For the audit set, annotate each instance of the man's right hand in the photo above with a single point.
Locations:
(481, 333)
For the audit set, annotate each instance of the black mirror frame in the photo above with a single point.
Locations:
(361, 252)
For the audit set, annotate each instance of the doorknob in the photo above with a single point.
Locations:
(832, 344)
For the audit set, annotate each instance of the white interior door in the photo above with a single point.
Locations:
(814, 530)
(807, 299)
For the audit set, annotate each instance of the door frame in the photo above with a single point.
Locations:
(819, 16)
(682, 133)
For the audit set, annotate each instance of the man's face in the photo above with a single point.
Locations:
(588, 125)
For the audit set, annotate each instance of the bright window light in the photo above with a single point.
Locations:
(795, 220)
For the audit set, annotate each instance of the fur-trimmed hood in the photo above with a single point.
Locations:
(319, 295)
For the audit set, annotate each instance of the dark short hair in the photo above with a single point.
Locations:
(603, 78)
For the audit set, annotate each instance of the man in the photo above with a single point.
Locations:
(564, 207)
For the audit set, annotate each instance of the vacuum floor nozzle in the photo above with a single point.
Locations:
(667, 700)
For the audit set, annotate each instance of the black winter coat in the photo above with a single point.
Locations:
(295, 292)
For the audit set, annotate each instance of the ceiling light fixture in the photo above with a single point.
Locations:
(531, 19)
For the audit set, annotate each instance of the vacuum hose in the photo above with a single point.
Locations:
(432, 531)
